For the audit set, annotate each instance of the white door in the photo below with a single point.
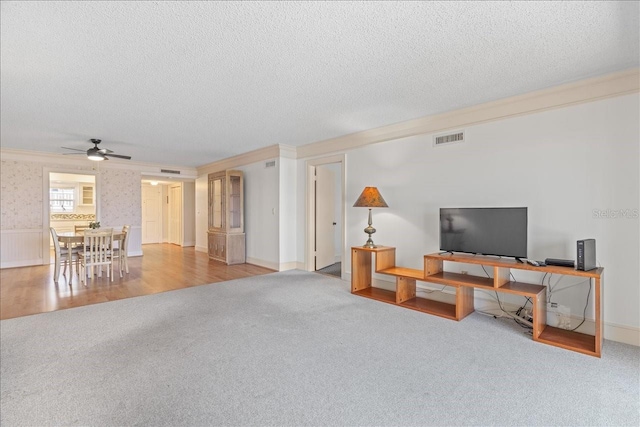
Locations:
(325, 243)
(151, 214)
(175, 214)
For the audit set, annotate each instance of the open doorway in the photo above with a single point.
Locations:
(168, 212)
(325, 215)
(71, 204)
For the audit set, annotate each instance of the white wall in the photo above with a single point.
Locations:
(287, 213)
(562, 164)
(188, 214)
(202, 212)
(261, 213)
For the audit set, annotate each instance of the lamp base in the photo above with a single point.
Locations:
(369, 230)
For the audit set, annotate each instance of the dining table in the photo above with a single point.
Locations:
(69, 238)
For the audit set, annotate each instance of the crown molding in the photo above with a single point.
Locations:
(593, 89)
(288, 151)
(255, 156)
(147, 169)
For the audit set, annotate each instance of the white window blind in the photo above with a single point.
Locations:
(61, 199)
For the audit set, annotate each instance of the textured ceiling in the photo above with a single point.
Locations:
(189, 83)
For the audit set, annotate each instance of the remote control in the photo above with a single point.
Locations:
(534, 263)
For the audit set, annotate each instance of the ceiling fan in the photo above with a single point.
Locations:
(97, 154)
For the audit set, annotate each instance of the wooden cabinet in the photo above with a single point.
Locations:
(226, 240)
(464, 284)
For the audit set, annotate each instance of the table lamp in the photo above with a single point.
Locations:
(370, 198)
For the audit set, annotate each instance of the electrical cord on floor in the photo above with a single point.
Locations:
(520, 321)
(526, 300)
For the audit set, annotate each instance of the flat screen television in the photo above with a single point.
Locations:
(486, 231)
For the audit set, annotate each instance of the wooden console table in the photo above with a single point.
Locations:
(464, 284)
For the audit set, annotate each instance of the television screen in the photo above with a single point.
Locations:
(486, 231)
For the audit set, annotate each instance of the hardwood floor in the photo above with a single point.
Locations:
(164, 267)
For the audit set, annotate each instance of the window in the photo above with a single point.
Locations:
(62, 199)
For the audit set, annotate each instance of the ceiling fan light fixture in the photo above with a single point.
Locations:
(96, 156)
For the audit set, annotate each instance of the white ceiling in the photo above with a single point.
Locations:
(189, 83)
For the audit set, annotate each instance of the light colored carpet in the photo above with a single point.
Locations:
(296, 349)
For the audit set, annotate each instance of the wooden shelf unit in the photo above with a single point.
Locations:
(405, 293)
(464, 285)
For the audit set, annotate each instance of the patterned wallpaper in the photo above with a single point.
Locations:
(21, 195)
(120, 197)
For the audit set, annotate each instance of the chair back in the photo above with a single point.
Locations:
(125, 241)
(56, 242)
(97, 246)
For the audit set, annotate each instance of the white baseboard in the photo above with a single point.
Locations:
(202, 249)
(623, 334)
(188, 244)
(134, 253)
(285, 266)
(262, 263)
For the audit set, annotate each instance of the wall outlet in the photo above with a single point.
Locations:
(558, 315)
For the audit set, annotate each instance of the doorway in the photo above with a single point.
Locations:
(71, 200)
(325, 215)
(151, 213)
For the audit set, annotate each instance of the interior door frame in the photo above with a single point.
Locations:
(46, 220)
(310, 203)
(180, 236)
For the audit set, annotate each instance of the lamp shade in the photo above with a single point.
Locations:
(370, 198)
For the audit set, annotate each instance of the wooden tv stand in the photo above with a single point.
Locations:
(464, 284)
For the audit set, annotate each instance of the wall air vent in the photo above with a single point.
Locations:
(449, 138)
(270, 164)
(170, 171)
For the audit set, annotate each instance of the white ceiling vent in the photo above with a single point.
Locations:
(170, 171)
(449, 138)
(270, 164)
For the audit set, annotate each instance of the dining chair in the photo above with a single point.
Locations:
(97, 252)
(62, 256)
(120, 251)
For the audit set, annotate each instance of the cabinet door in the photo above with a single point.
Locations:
(222, 247)
(86, 195)
(216, 202)
(211, 245)
(235, 202)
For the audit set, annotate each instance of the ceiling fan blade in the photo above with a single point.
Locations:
(74, 149)
(120, 156)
